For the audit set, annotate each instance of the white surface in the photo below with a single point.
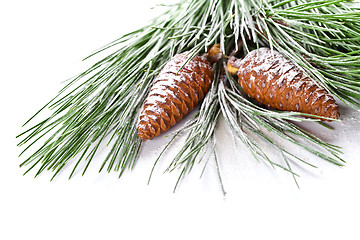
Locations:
(42, 44)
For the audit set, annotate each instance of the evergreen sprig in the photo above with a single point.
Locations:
(102, 104)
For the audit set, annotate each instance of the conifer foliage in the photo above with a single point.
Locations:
(319, 37)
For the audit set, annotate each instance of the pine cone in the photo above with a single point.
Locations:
(278, 83)
(174, 94)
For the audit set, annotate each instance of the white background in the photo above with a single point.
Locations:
(42, 43)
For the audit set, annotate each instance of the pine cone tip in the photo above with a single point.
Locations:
(214, 54)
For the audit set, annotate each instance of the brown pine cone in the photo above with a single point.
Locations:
(278, 83)
(174, 94)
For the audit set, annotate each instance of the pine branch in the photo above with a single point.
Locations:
(102, 103)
